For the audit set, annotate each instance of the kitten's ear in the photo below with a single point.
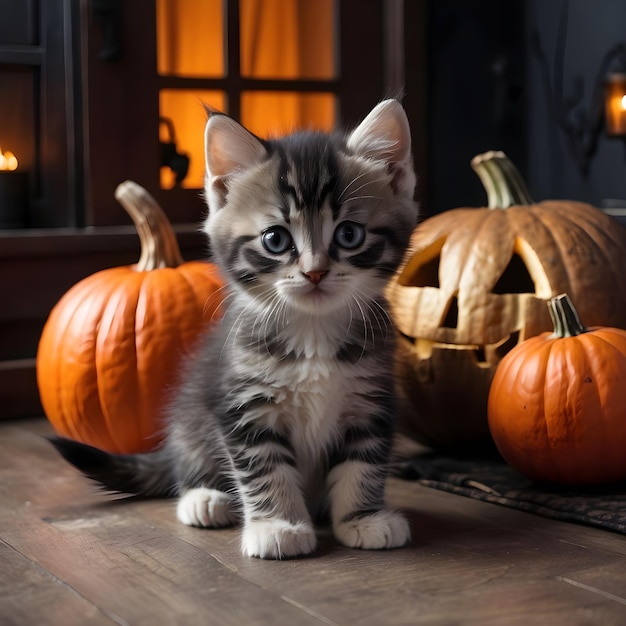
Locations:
(229, 149)
(384, 135)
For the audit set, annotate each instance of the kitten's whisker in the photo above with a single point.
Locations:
(217, 295)
(260, 319)
(354, 180)
(384, 313)
(365, 184)
(375, 314)
(355, 198)
(349, 326)
(241, 318)
(365, 333)
(276, 305)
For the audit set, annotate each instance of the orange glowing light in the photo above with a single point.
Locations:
(615, 105)
(8, 161)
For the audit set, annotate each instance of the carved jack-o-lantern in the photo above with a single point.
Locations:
(475, 284)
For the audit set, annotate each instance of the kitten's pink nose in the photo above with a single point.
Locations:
(315, 275)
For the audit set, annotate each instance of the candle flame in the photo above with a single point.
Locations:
(623, 102)
(8, 161)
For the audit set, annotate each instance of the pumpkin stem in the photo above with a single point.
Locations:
(159, 247)
(565, 317)
(502, 181)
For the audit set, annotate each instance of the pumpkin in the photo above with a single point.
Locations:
(557, 404)
(475, 284)
(112, 344)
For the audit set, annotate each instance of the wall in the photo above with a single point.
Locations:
(485, 91)
(475, 92)
(593, 28)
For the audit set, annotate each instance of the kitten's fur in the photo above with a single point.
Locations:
(288, 411)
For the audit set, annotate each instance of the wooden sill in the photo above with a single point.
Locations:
(64, 241)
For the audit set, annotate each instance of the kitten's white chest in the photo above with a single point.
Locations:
(312, 411)
(310, 388)
(312, 398)
(316, 386)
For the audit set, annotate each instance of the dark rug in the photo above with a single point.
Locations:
(496, 482)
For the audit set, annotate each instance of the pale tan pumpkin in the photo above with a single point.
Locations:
(475, 284)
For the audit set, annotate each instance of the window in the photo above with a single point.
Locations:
(276, 44)
(271, 64)
(38, 111)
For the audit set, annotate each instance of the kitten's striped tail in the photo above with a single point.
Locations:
(147, 475)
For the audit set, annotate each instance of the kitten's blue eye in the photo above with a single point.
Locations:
(276, 240)
(349, 235)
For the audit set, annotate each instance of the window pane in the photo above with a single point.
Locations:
(188, 117)
(270, 114)
(287, 39)
(190, 38)
(17, 146)
(18, 24)
(17, 122)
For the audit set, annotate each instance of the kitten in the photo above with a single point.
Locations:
(287, 412)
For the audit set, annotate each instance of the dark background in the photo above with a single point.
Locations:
(486, 92)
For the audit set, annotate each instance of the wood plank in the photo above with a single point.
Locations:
(143, 577)
(128, 568)
(470, 562)
(441, 578)
(437, 572)
(30, 595)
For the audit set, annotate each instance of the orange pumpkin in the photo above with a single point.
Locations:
(557, 403)
(111, 346)
(475, 284)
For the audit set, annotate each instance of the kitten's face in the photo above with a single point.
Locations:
(311, 224)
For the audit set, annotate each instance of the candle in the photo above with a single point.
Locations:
(13, 192)
(615, 105)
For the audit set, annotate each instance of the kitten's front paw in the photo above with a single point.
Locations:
(277, 539)
(383, 529)
(207, 508)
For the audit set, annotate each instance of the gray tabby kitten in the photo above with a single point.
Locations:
(287, 412)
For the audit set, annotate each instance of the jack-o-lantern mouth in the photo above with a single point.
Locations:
(487, 355)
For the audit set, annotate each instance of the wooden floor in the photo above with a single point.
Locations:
(70, 556)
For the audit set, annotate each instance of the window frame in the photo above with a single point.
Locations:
(358, 85)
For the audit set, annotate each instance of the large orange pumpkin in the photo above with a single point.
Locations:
(557, 404)
(109, 351)
(475, 284)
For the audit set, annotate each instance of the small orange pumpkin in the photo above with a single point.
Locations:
(557, 403)
(111, 346)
